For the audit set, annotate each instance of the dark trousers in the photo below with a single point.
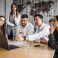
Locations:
(10, 36)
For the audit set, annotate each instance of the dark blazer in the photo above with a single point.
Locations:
(53, 42)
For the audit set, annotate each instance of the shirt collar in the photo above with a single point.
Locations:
(25, 26)
(41, 26)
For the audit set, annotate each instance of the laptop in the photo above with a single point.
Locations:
(9, 44)
(4, 42)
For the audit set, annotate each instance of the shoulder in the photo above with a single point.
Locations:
(29, 24)
(19, 26)
(46, 25)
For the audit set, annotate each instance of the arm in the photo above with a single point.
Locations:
(39, 35)
(52, 41)
(17, 30)
(8, 22)
(51, 36)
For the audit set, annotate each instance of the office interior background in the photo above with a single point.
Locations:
(48, 8)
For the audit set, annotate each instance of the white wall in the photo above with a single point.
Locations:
(8, 7)
(2, 7)
(52, 12)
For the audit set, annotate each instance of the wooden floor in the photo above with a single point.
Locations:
(28, 52)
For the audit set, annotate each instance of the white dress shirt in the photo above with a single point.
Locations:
(27, 30)
(41, 32)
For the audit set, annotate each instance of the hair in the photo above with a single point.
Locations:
(52, 19)
(3, 17)
(39, 15)
(2, 29)
(24, 16)
(55, 18)
(11, 13)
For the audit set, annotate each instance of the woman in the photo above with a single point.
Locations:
(14, 19)
(2, 26)
(54, 35)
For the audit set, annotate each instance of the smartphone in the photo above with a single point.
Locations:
(36, 45)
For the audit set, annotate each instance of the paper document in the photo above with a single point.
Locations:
(15, 43)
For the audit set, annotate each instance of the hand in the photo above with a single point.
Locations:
(21, 31)
(12, 25)
(26, 39)
(43, 41)
(19, 39)
(51, 30)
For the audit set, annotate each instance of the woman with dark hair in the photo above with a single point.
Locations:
(2, 25)
(53, 37)
(14, 19)
(14, 10)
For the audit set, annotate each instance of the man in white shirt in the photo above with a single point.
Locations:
(24, 28)
(42, 30)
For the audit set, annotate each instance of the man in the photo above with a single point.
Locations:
(42, 30)
(25, 28)
(53, 37)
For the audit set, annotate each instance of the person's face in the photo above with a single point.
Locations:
(38, 21)
(14, 8)
(55, 23)
(2, 20)
(24, 21)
